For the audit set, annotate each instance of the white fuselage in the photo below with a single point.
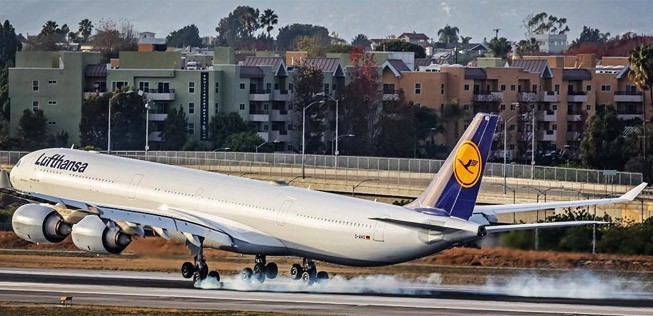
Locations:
(284, 220)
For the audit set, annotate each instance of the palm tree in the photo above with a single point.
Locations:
(448, 34)
(268, 20)
(465, 39)
(500, 47)
(525, 47)
(641, 62)
(250, 21)
(85, 29)
(453, 113)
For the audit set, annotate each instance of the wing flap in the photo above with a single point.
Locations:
(507, 228)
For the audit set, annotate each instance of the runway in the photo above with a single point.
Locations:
(382, 295)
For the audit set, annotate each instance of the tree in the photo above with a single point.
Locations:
(268, 20)
(465, 39)
(85, 29)
(590, 35)
(33, 129)
(9, 45)
(641, 62)
(49, 37)
(224, 124)
(174, 133)
(111, 38)
(401, 46)
(604, 145)
(93, 124)
(313, 45)
(448, 34)
(236, 29)
(397, 137)
(288, 35)
(361, 40)
(186, 36)
(527, 47)
(452, 115)
(543, 23)
(308, 82)
(500, 47)
(245, 141)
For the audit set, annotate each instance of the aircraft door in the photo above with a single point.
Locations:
(283, 212)
(379, 230)
(136, 180)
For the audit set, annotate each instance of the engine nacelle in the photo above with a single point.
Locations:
(39, 224)
(94, 235)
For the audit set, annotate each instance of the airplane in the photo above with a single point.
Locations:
(103, 201)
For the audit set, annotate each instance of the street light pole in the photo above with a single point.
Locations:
(533, 146)
(109, 129)
(304, 136)
(336, 152)
(147, 127)
(505, 151)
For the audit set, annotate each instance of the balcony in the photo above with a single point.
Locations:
(548, 96)
(160, 95)
(154, 137)
(281, 95)
(88, 94)
(264, 135)
(628, 96)
(576, 96)
(631, 116)
(488, 96)
(157, 117)
(391, 95)
(280, 136)
(547, 136)
(573, 136)
(259, 117)
(574, 117)
(527, 97)
(259, 95)
(547, 116)
(278, 115)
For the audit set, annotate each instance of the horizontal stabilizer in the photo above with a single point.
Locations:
(449, 225)
(507, 228)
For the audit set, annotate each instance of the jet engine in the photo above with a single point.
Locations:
(92, 234)
(40, 224)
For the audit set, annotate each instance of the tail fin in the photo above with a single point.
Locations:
(455, 187)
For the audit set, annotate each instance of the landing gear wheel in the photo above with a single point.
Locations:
(296, 271)
(246, 274)
(259, 272)
(271, 270)
(322, 276)
(203, 271)
(214, 275)
(308, 278)
(187, 270)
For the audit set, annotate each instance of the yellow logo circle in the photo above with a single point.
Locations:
(467, 167)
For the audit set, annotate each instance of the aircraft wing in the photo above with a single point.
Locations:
(514, 208)
(507, 228)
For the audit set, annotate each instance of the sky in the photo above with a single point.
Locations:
(374, 18)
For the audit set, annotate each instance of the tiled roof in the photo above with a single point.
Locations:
(398, 64)
(96, 70)
(576, 74)
(422, 62)
(532, 66)
(324, 64)
(274, 62)
(251, 72)
(475, 74)
(417, 36)
(469, 46)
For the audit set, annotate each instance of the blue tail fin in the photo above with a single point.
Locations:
(454, 189)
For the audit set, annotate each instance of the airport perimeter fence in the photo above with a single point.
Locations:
(383, 164)
(427, 166)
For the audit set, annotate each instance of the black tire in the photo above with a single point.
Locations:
(296, 271)
(215, 275)
(204, 272)
(187, 270)
(322, 275)
(271, 270)
(259, 272)
(308, 278)
(246, 274)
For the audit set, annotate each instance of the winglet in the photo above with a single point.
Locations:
(634, 192)
(4, 180)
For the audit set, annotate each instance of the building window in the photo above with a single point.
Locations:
(52, 82)
(334, 87)
(52, 123)
(512, 106)
(512, 87)
(144, 86)
(589, 88)
(588, 107)
(605, 88)
(276, 86)
(466, 107)
(242, 86)
(191, 128)
(242, 106)
(265, 127)
(511, 127)
(557, 88)
(52, 102)
(555, 127)
(418, 88)
(217, 87)
(35, 85)
(191, 108)
(217, 108)
(503, 87)
(191, 87)
(290, 86)
(466, 87)
(442, 88)
(503, 107)
(534, 88)
(118, 85)
(35, 105)
(326, 88)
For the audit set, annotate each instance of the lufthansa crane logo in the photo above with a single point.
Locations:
(467, 167)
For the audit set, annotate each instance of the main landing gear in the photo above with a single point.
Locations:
(199, 270)
(261, 271)
(307, 272)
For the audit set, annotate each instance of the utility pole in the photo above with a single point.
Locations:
(496, 32)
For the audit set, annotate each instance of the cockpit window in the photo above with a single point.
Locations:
(18, 163)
